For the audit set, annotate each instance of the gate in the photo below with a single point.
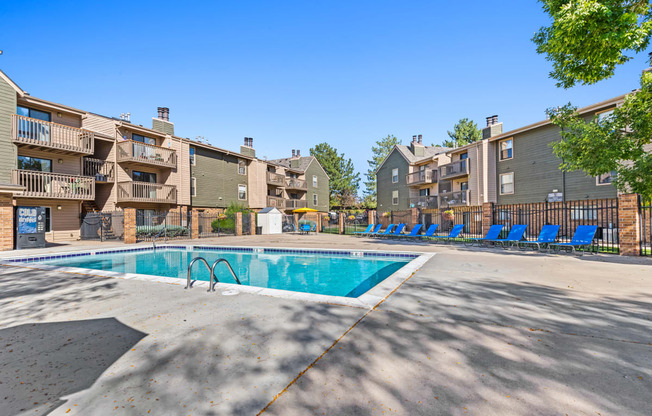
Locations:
(645, 210)
(162, 225)
(102, 226)
(288, 224)
(246, 223)
(216, 224)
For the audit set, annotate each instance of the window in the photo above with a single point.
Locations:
(314, 200)
(606, 179)
(314, 181)
(31, 113)
(138, 138)
(507, 183)
(192, 156)
(464, 186)
(193, 186)
(506, 149)
(143, 176)
(605, 115)
(464, 156)
(584, 213)
(424, 192)
(242, 167)
(395, 175)
(34, 163)
(242, 192)
(394, 197)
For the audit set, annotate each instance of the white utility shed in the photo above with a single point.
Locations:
(270, 220)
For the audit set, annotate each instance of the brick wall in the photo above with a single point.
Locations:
(130, 225)
(629, 231)
(6, 222)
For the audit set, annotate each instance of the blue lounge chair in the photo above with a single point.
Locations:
(397, 232)
(430, 231)
(492, 234)
(515, 235)
(455, 232)
(367, 231)
(376, 230)
(583, 238)
(304, 228)
(388, 230)
(547, 236)
(413, 233)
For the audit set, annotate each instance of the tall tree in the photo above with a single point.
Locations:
(378, 153)
(344, 180)
(464, 132)
(589, 38)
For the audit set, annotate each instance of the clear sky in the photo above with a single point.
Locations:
(292, 74)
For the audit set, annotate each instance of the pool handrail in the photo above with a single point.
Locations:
(203, 260)
(214, 276)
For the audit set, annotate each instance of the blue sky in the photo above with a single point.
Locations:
(292, 74)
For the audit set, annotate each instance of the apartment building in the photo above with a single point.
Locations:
(409, 176)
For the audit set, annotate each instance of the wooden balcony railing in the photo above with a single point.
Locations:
(295, 203)
(424, 202)
(32, 132)
(455, 169)
(421, 177)
(131, 151)
(275, 179)
(274, 201)
(147, 192)
(293, 183)
(454, 199)
(101, 170)
(53, 185)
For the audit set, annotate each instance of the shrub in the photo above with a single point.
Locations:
(145, 231)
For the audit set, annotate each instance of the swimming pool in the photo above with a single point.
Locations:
(322, 272)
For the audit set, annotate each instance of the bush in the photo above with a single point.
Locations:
(226, 225)
(145, 231)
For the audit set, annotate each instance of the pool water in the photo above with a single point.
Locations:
(324, 274)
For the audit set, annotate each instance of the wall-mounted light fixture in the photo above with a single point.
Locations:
(59, 207)
(60, 161)
(59, 114)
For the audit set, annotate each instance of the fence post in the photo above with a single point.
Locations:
(319, 218)
(341, 219)
(487, 216)
(414, 217)
(238, 223)
(252, 223)
(629, 225)
(371, 216)
(194, 224)
(130, 225)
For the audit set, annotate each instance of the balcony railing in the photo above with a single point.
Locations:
(424, 202)
(454, 199)
(53, 185)
(131, 151)
(147, 192)
(295, 203)
(421, 177)
(31, 132)
(101, 170)
(274, 201)
(455, 169)
(293, 183)
(275, 179)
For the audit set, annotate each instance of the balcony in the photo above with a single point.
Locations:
(454, 170)
(147, 192)
(421, 177)
(424, 202)
(33, 134)
(296, 184)
(130, 151)
(274, 201)
(101, 170)
(454, 199)
(275, 179)
(53, 185)
(295, 203)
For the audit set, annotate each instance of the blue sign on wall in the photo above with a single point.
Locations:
(27, 220)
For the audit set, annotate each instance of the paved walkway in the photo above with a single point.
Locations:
(472, 332)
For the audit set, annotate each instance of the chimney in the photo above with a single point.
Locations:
(162, 122)
(251, 142)
(494, 128)
(414, 139)
(420, 138)
(248, 148)
(294, 153)
(160, 112)
(298, 153)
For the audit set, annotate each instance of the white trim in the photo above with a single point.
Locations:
(500, 184)
(597, 181)
(389, 154)
(397, 175)
(246, 192)
(245, 167)
(500, 151)
(193, 186)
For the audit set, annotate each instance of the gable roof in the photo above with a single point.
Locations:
(429, 152)
(12, 84)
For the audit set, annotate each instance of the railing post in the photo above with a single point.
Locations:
(130, 225)
(629, 225)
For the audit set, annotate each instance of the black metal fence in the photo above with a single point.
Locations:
(215, 224)
(447, 218)
(102, 226)
(288, 224)
(162, 225)
(568, 215)
(246, 223)
(645, 209)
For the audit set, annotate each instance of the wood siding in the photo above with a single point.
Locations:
(385, 187)
(322, 190)
(217, 176)
(65, 221)
(7, 148)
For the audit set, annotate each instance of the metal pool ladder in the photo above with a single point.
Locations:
(213, 278)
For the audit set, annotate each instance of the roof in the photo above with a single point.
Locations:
(429, 152)
(217, 149)
(12, 83)
(269, 210)
(304, 162)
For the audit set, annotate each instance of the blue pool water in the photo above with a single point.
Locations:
(325, 274)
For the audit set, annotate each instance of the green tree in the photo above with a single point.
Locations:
(589, 38)
(464, 132)
(379, 152)
(344, 180)
(620, 142)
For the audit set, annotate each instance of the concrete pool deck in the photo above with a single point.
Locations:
(472, 332)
